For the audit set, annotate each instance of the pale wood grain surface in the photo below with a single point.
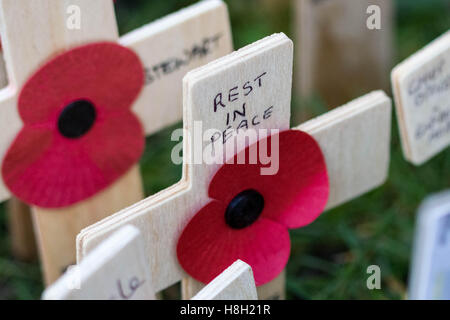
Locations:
(355, 140)
(357, 133)
(20, 226)
(421, 86)
(115, 270)
(168, 49)
(33, 32)
(20, 229)
(57, 229)
(163, 216)
(235, 283)
(274, 290)
(339, 58)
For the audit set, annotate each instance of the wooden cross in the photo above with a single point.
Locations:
(117, 270)
(34, 31)
(421, 86)
(335, 39)
(235, 283)
(354, 139)
(20, 226)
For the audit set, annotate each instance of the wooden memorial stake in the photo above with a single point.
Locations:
(21, 233)
(34, 31)
(335, 40)
(421, 86)
(115, 270)
(354, 140)
(3, 74)
(20, 226)
(235, 283)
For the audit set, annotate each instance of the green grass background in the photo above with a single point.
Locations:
(330, 257)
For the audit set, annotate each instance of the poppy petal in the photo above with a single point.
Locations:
(207, 246)
(59, 171)
(107, 74)
(59, 158)
(115, 144)
(296, 194)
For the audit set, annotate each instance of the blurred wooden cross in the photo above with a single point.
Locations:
(421, 86)
(34, 31)
(342, 37)
(354, 140)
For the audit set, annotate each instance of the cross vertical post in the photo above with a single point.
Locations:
(329, 33)
(420, 86)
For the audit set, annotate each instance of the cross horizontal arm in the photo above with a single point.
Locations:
(355, 140)
(160, 221)
(420, 86)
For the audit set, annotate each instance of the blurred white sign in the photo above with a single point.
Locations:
(430, 272)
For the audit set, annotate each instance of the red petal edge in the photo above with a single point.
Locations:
(207, 246)
(296, 195)
(45, 169)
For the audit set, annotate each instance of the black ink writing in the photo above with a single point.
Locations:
(421, 81)
(127, 293)
(238, 113)
(234, 94)
(170, 65)
(255, 120)
(435, 127)
(429, 84)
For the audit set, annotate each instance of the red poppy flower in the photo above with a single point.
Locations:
(250, 213)
(79, 132)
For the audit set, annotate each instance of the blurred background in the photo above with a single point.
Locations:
(330, 257)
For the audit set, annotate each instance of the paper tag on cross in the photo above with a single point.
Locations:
(354, 140)
(430, 267)
(34, 32)
(421, 86)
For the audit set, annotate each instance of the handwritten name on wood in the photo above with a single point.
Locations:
(422, 95)
(115, 270)
(171, 47)
(201, 50)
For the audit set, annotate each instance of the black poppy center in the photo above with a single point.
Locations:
(76, 119)
(244, 209)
